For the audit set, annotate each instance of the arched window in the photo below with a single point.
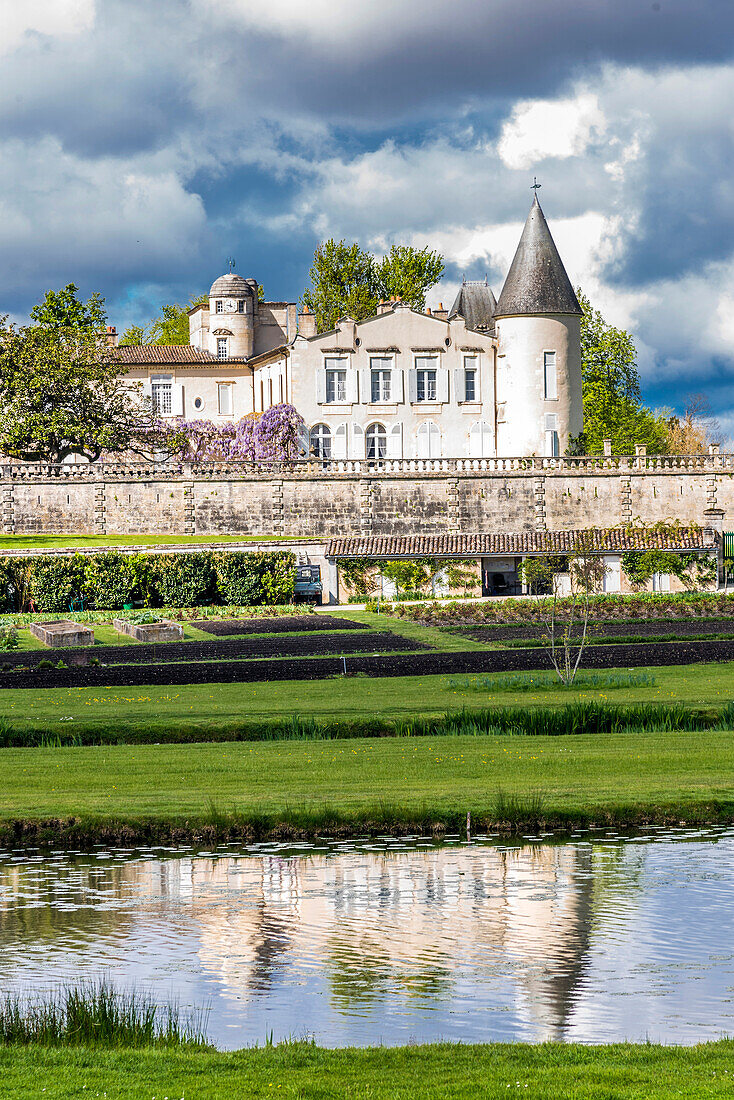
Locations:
(321, 441)
(480, 440)
(429, 440)
(376, 441)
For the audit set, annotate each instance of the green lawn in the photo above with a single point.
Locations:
(89, 542)
(203, 708)
(437, 1072)
(619, 777)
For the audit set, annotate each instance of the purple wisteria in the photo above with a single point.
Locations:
(272, 436)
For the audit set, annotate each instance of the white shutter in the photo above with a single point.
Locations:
(459, 387)
(396, 386)
(422, 444)
(352, 386)
(365, 385)
(358, 450)
(434, 440)
(477, 382)
(177, 399)
(442, 385)
(412, 386)
(320, 387)
(339, 442)
(475, 440)
(395, 442)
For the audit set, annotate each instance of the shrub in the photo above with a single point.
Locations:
(8, 637)
(255, 578)
(182, 580)
(56, 581)
(110, 579)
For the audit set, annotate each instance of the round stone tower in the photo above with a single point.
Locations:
(539, 355)
(232, 305)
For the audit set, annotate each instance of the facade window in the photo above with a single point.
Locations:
(336, 385)
(162, 394)
(376, 441)
(241, 305)
(470, 378)
(221, 347)
(552, 447)
(380, 380)
(321, 441)
(224, 396)
(426, 375)
(549, 375)
(219, 307)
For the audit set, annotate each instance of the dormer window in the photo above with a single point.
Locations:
(222, 347)
(219, 307)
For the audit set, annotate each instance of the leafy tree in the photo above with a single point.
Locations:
(347, 281)
(695, 570)
(170, 328)
(694, 431)
(63, 390)
(611, 391)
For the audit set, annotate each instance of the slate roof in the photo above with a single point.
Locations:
(476, 303)
(230, 286)
(528, 542)
(153, 354)
(537, 281)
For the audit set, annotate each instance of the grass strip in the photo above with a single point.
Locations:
(132, 794)
(547, 1071)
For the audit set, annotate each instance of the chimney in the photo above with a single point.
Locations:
(383, 306)
(112, 336)
(307, 323)
(428, 310)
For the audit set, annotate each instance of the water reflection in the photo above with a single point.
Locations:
(388, 940)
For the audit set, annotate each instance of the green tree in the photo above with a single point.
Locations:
(170, 328)
(63, 390)
(347, 281)
(613, 408)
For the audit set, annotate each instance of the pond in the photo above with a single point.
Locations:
(596, 938)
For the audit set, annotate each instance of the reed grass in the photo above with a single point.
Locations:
(549, 681)
(96, 1014)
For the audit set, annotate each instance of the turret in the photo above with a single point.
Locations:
(232, 305)
(537, 323)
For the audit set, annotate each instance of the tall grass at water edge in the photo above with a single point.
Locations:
(97, 1014)
(578, 717)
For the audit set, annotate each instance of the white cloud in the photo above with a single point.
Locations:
(52, 18)
(550, 128)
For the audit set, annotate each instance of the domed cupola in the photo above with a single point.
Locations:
(232, 307)
(230, 286)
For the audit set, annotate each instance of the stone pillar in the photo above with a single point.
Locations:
(189, 508)
(539, 504)
(8, 509)
(365, 506)
(331, 592)
(625, 493)
(100, 508)
(607, 447)
(452, 514)
(277, 501)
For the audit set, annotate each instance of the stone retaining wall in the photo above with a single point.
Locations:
(392, 497)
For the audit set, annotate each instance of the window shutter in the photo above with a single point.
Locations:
(459, 388)
(550, 422)
(177, 400)
(365, 385)
(352, 390)
(412, 386)
(475, 440)
(477, 382)
(320, 387)
(147, 389)
(422, 443)
(358, 441)
(442, 385)
(339, 442)
(396, 384)
(395, 442)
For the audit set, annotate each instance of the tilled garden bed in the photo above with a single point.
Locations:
(287, 646)
(286, 624)
(607, 628)
(415, 664)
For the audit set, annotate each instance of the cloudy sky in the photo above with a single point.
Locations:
(143, 143)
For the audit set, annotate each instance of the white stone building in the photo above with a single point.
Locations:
(485, 378)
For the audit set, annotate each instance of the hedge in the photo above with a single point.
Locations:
(111, 579)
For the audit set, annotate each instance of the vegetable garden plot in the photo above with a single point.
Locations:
(609, 628)
(283, 625)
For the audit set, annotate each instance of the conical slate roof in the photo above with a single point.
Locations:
(537, 281)
(476, 303)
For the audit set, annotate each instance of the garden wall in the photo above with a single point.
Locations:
(342, 498)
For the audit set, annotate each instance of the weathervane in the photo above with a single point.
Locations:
(535, 186)
(230, 261)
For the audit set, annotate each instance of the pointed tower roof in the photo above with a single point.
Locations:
(476, 303)
(537, 281)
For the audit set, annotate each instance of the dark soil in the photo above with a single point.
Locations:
(418, 664)
(608, 628)
(227, 650)
(283, 625)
